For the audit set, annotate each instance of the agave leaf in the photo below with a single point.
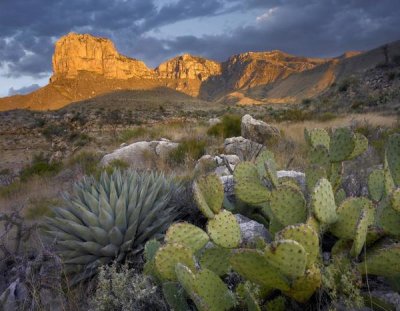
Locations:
(116, 236)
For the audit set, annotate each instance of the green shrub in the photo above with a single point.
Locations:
(120, 288)
(189, 149)
(229, 127)
(54, 130)
(87, 161)
(129, 134)
(40, 166)
(116, 164)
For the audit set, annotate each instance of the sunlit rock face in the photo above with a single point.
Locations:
(188, 67)
(75, 53)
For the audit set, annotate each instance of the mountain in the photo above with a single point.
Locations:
(85, 67)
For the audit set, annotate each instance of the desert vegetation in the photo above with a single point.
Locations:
(306, 220)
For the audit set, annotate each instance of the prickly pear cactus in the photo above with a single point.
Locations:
(395, 200)
(216, 259)
(360, 146)
(376, 185)
(305, 286)
(349, 213)
(288, 205)
(382, 260)
(306, 236)
(287, 256)
(323, 202)
(252, 265)
(341, 145)
(317, 137)
(209, 194)
(224, 230)
(187, 235)
(169, 256)
(393, 157)
(361, 233)
(248, 185)
(206, 289)
(388, 218)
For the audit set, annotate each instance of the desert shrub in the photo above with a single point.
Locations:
(326, 116)
(87, 161)
(40, 166)
(79, 139)
(291, 115)
(396, 59)
(54, 130)
(40, 208)
(119, 288)
(346, 83)
(128, 134)
(228, 127)
(188, 149)
(116, 164)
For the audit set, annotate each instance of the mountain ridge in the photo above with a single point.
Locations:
(85, 66)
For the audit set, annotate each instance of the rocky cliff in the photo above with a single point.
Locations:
(75, 53)
(85, 66)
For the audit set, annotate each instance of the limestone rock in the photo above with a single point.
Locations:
(257, 130)
(76, 52)
(299, 177)
(252, 230)
(188, 67)
(142, 154)
(245, 149)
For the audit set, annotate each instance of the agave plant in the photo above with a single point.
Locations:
(105, 220)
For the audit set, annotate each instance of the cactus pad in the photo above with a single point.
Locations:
(175, 296)
(248, 185)
(395, 200)
(169, 255)
(382, 260)
(335, 175)
(288, 205)
(340, 196)
(341, 145)
(360, 146)
(319, 137)
(260, 160)
(349, 213)
(313, 174)
(306, 236)
(224, 230)
(319, 155)
(376, 186)
(361, 233)
(323, 202)
(305, 286)
(209, 194)
(216, 259)
(270, 170)
(388, 219)
(188, 235)
(389, 181)
(287, 256)
(252, 265)
(206, 289)
(393, 157)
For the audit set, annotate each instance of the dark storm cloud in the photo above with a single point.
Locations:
(23, 90)
(306, 27)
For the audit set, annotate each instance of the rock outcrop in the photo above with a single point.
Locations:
(142, 154)
(257, 130)
(75, 53)
(188, 67)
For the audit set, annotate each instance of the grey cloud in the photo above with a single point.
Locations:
(303, 27)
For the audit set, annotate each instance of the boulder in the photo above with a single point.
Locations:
(217, 164)
(213, 121)
(252, 230)
(142, 154)
(299, 177)
(244, 148)
(257, 130)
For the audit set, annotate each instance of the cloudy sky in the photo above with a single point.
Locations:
(155, 30)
